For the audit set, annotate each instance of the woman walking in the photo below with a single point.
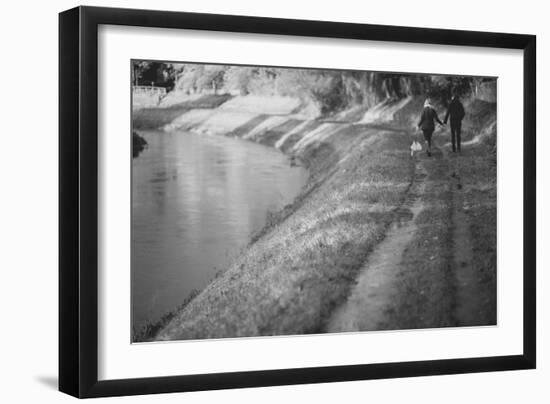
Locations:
(427, 124)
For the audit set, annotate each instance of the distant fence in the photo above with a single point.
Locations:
(147, 96)
(149, 90)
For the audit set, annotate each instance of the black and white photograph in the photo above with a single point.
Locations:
(276, 201)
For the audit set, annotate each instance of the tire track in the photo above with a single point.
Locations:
(469, 307)
(371, 297)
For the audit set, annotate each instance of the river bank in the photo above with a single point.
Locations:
(305, 263)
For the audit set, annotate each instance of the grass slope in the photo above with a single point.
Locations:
(154, 118)
(302, 266)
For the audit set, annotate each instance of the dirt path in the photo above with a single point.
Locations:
(422, 274)
(374, 293)
(469, 305)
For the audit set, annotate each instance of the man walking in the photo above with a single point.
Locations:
(456, 112)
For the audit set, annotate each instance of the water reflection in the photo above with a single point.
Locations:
(196, 200)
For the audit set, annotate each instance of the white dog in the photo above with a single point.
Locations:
(415, 146)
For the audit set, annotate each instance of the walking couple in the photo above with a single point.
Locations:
(455, 112)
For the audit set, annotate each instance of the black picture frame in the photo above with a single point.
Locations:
(78, 201)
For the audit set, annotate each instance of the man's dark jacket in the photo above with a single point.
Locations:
(455, 111)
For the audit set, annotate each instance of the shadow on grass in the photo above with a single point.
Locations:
(155, 118)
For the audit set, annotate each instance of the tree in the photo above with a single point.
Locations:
(211, 78)
(188, 78)
(237, 78)
(139, 67)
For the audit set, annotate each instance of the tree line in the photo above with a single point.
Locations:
(331, 90)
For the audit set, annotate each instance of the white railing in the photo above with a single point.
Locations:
(149, 90)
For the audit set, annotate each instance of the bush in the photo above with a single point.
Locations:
(138, 144)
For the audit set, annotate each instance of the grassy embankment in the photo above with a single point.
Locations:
(301, 265)
(154, 118)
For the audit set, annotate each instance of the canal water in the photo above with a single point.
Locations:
(196, 201)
